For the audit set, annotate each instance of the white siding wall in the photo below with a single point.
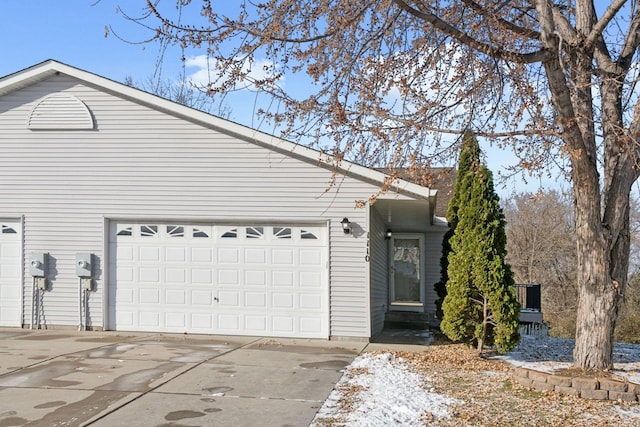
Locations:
(433, 252)
(141, 163)
(379, 272)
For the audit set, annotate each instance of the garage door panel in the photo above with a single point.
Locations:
(204, 255)
(8, 315)
(149, 275)
(175, 275)
(8, 269)
(228, 255)
(174, 296)
(282, 256)
(149, 319)
(282, 279)
(228, 277)
(175, 320)
(148, 296)
(125, 274)
(10, 249)
(310, 257)
(310, 302)
(229, 323)
(124, 296)
(125, 253)
(229, 298)
(310, 280)
(202, 322)
(310, 325)
(255, 299)
(124, 318)
(283, 325)
(175, 254)
(149, 253)
(10, 292)
(247, 280)
(256, 325)
(201, 297)
(255, 278)
(201, 276)
(282, 300)
(255, 256)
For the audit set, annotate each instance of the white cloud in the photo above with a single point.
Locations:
(208, 70)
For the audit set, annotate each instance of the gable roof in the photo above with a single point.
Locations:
(48, 68)
(440, 179)
(443, 181)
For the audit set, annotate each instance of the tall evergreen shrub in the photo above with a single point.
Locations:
(469, 157)
(480, 307)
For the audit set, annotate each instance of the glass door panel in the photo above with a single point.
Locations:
(406, 278)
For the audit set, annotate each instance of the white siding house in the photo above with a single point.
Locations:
(193, 223)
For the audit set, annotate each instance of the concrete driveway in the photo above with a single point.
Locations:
(65, 378)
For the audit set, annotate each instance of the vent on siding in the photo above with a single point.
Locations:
(60, 112)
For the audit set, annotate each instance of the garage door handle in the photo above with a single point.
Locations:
(216, 299)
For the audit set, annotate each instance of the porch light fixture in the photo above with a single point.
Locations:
(388, 234)
(346, 225)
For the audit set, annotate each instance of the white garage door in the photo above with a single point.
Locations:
(10, 282)
(244, 280)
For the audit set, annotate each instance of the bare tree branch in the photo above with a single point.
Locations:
(507, 25)
(424, 13)
(605, 19)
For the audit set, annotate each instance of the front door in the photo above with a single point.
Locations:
(407, 272)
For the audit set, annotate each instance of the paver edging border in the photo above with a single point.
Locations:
(581, 386)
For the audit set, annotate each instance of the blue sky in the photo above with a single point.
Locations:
(73, 32)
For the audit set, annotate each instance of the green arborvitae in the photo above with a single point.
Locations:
(469, 157)
(480, 307)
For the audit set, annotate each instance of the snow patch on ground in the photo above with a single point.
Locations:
(541, 353)
(379, 390)
(548, 354)
(628, 412)
(382, 392)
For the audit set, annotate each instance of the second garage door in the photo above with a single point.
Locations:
(10, 270)
(266, 280)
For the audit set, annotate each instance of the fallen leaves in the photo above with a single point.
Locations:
(491, 398)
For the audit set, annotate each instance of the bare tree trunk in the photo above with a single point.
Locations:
(603, 237)
(603, 262)
(485, 320)
(598, 297)
(603, 241)
(601, 214)
(480, 345)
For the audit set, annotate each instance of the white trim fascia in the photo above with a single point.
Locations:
(51, 67)
(215, 220)
(367, 270)
(106, 228)
(327, 268)
(23, 283)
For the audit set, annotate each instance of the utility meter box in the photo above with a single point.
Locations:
(87, 284)
(84, 267)
(38, 264)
